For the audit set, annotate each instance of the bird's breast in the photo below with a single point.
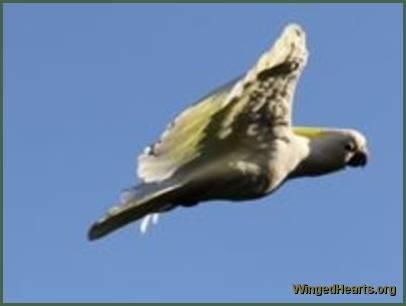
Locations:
(284, 157)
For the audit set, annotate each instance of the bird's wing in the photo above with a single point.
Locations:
(258, 104)
(180, 141)
(140, 201)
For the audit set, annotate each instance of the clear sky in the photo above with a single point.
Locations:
(86, 87)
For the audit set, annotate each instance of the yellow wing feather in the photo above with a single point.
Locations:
(178, 144)
(181, 142)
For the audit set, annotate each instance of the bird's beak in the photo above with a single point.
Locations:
(360, 158)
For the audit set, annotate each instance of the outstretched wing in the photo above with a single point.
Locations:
(180, 142)
(252, 111)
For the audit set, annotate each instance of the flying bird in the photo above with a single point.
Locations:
(236, 144)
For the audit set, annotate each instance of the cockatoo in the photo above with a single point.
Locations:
(236, 144)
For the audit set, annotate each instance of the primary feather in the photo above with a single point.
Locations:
(144, 200)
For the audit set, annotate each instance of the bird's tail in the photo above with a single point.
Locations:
(138, 202)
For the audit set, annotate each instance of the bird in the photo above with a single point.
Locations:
(237, 143)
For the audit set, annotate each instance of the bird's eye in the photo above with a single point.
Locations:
(350, 147)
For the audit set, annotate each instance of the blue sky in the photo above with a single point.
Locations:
(86, 87)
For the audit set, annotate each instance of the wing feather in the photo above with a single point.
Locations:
(262, 97)
(178, 143)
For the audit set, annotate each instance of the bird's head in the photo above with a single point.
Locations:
(355, 149)
(332, 150)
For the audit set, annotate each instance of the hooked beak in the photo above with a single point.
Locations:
(359, 158)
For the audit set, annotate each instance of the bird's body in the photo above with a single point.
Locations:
(237, 144)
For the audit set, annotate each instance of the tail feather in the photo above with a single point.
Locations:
(144, 199)
(148, 220)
